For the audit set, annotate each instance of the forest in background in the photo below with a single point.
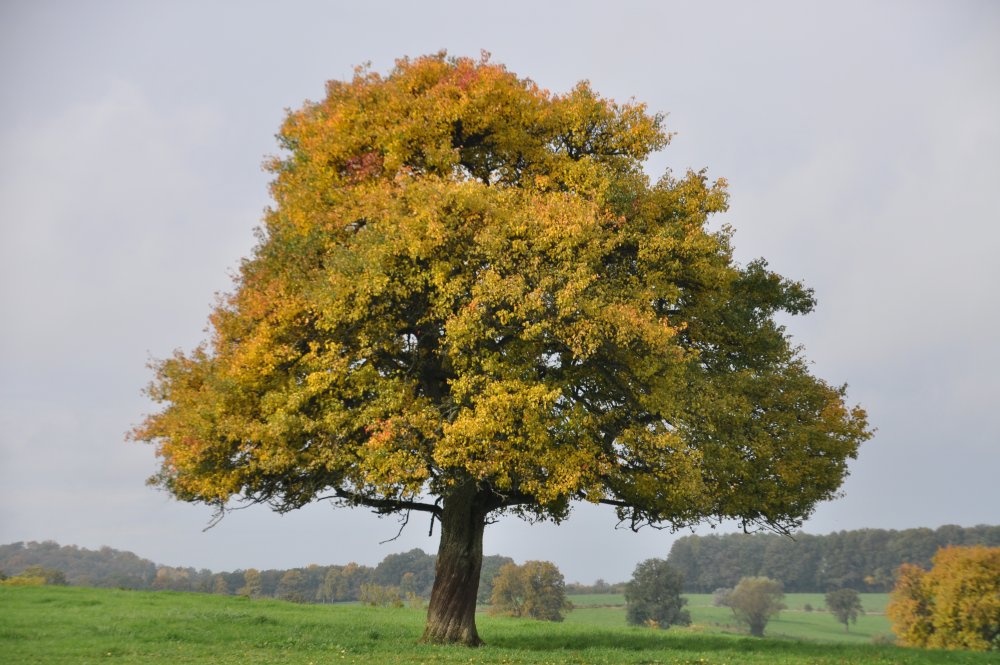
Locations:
(864, 560)
(402, 575)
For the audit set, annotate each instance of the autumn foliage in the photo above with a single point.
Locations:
(955, 605)
(535, 589)
(468, 300)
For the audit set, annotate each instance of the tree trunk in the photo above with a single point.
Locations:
(451, 615)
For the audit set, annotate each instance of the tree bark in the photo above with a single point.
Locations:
(451, 615)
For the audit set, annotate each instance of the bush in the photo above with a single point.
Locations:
(21, 580)
(377, 595)
(536, 589)
(36, 576)
(754, 601)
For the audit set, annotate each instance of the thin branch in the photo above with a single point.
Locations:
(406, 520)
(220, 512)
(221, 509)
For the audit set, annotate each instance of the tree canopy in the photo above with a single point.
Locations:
(469, 299)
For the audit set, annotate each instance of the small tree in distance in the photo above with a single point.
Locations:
(845, 604)
(536, 589)
(653, 596)
(754, 601)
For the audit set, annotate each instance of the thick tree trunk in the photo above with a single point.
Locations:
(451, 615)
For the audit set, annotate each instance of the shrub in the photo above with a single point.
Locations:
(536, 589)
(377, 595)
(754, 601)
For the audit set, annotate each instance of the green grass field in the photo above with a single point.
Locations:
(79, 626)
(608, 610)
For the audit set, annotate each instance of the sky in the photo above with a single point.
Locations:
(861, 142)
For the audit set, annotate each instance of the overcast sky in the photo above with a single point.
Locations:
(861, 141)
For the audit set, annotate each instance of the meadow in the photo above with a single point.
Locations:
(796, 622)
(79, 625)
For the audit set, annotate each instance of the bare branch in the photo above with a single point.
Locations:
(406, 520)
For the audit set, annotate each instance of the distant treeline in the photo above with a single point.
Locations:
(405, 574)
(864, 560)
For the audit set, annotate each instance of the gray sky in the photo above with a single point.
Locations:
(861, 141)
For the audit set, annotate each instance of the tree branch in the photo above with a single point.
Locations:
(406, 520)
(382, 506)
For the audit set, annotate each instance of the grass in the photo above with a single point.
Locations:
(54, 625)
(797, 623)
(608, 610)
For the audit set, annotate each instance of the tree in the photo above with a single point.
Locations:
(754, 601)
(536, 589)
(292, 586)
(654, 595)
(845, 604)
(910, 606)
(469, 300)
(252, 584)
(955, 605)
(344, 583)
(377, 595)
(219, 585)
(394, 567)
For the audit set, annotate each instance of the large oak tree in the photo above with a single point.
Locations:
(469, 300)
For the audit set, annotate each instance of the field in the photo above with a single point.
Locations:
(79, 626)
(608, 610)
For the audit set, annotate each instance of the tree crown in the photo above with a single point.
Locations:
(468, 280)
